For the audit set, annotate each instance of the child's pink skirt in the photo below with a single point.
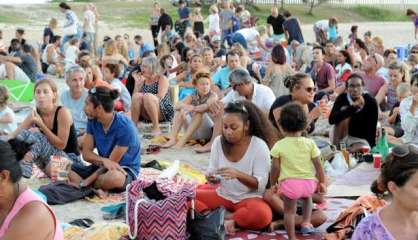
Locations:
(298, 188)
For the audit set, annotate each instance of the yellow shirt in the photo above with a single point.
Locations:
(296, 154)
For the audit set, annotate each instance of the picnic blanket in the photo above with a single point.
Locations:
(354, 183)
(20, 91)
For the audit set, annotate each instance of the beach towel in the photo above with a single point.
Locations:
(101, 231)
(20, 91)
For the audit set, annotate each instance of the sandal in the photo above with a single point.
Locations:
(307, 229)
(82, 222)
(153, 149)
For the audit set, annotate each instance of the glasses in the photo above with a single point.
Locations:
(310, 89)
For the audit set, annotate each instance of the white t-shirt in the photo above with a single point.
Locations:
(263, 97)
(71, 54)
(8, 127)
(214, 23)
(250, 34)
(323, 25)
(19, 74)
(90, 18)
(255, 162)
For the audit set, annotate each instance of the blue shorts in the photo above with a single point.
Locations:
(85, 171)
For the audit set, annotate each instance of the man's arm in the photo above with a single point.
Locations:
(10, 59)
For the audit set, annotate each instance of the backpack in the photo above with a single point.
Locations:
(348, 219)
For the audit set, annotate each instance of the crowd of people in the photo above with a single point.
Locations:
(253, 93)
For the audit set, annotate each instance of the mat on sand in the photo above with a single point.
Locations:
(354, 183)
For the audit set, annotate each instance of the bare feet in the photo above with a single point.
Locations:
(178, 146)
(229, 227)
(100, 193)
(204, 149)
(274, 225)
(169, 144)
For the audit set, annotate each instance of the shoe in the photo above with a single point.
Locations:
(307, 229)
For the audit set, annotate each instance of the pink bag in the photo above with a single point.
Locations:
(164, 219)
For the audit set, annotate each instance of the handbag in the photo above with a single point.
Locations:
(69, 30)
(163, 219)
(207, 227)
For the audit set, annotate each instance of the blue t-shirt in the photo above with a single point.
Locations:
(121, 133)
(236, 24)
(332, 33)
(221, 78)
(183, 12)
(76, 108)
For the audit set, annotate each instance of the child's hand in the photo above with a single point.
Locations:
(322, 188)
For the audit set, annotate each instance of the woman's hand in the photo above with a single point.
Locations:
(315, 113)
(137, 77)
(36, 119)
(229, 173)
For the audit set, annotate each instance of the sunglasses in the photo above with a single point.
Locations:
(310, 89)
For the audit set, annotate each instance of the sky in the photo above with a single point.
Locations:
(14, 2)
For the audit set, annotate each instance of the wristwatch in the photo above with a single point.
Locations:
(82, 184)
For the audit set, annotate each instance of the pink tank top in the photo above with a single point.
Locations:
(26, 197)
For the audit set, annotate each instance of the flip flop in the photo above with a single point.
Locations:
(82, 222)
(153, 149)
(306, 230)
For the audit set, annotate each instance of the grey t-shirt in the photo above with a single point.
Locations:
(28, 65)
(225, 16)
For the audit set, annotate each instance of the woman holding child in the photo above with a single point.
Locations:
(240, 161)
(53, 121)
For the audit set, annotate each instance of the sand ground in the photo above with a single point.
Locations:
(393, 33)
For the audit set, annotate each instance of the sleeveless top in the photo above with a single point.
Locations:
(72, 144)
(45, 54)
(24, 198)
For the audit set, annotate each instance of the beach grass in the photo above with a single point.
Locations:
(137, 13)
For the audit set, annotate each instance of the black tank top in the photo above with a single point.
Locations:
(72, 144)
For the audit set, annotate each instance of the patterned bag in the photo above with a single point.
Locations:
(164, 219)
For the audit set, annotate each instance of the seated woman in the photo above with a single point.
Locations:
(398, 73)
(210, 61)
(240, 161)
(193, 111)
(184, 79)
(408, 112)
(53, 121)
(151, 99)
(277, 71)
(93, 72)
(394, 127)
(20, 206)
(112, 55)
(354, 115)
(52, 57)
(399, 219)
(302, 90)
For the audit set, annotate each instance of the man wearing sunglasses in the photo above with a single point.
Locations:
(354, 115)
